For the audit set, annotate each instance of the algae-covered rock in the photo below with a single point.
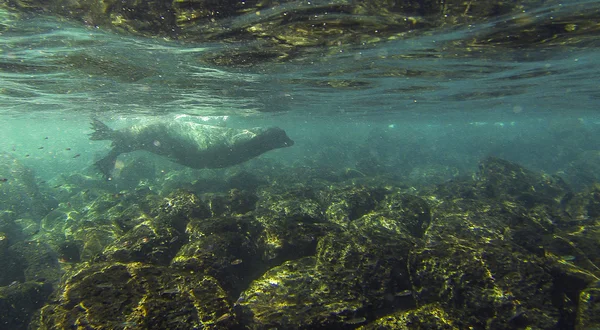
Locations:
(19, 194)
(150, 241)
(505, 180)
(13, 263)
(432, 316)
(296, 295)
(494, 257)
(583, 171)
(134, 295)
(158, 239)
(479, 287)
(348, 204)
(351, 276)
(507, 248)
(293, 222)
(588, 313)
(412, 212)
(19, 302)
(235, 202)
(226, 248)
(82, 229)
(38, 260)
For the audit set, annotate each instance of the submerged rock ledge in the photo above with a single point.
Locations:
(508, 248)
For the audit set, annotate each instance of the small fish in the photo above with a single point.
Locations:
(46, 138)
(170, 291)
(128, 324)
(3, 179)
(57, 186)
(236, 262)
(41, 148)
(223, 317)
(76, 155)
(356, 320)
(27, 155)
(403, 293)
(67, 149)
(104, 286)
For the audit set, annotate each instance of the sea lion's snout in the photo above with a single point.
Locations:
(287, 141)
(282, 138)
(275, 137)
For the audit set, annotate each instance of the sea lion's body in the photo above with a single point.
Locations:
(190, 144)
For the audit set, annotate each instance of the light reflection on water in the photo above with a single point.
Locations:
(52, 65)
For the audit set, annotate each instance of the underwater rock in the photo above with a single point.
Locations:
(19, 194)
(38, 261)
(348, 204)
(505, 180)
(299, 205)
(588, 312)
(235, 202)
(371, 260)
(411, 211)
(296, 295)
(482, 285)
(158, 239)
(150, 242)
(492, 240)
(29, 271)
(9, 227)
(293, 221)
(584, 170)
(13, 265)
(466, 253)
(20, 301)
(93, 222)
(135, 295)
(351, 276)
(432, 316)
(583, 207)
(28, 261)
(225, 248)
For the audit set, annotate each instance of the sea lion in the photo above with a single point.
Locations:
(188, 143)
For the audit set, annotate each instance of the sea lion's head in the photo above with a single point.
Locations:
(275, 137)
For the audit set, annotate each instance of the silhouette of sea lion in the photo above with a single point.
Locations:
(188, 143)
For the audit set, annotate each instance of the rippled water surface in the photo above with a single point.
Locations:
(52, 65)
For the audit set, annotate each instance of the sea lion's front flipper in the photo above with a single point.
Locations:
(107, 164)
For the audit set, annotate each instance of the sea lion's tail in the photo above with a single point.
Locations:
(101, 131)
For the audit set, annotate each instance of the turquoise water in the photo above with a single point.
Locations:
(56, 73)
(410, 114)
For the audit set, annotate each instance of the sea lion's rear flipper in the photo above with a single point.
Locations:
(107, 164)
(101, 131)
